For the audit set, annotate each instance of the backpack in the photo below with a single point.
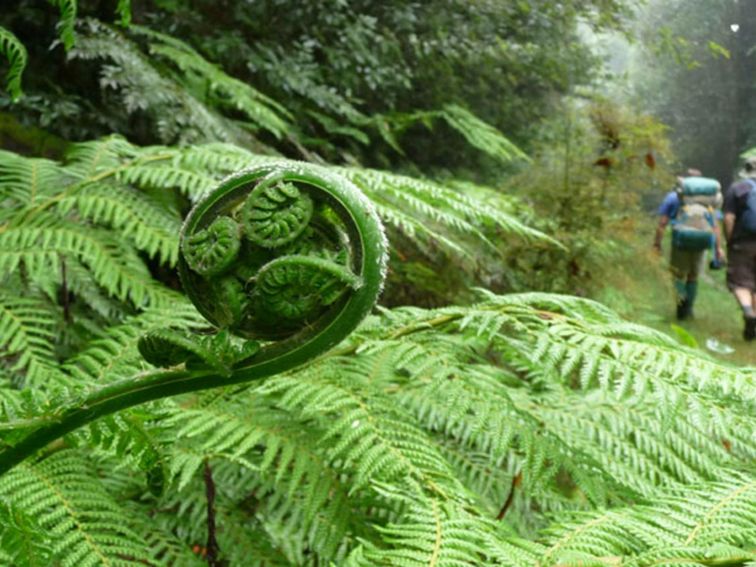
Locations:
(693, 226)
(748, 218)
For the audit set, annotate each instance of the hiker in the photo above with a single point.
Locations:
(740, 232)
(690, 210)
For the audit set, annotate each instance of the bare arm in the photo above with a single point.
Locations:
(660, 228)
(718, 242)
(729, 225)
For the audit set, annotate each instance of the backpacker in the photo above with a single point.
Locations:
(693, 226)
(748, 218)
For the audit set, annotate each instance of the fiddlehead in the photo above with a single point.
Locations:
(293, 290)
(275, 213)
(292, 255)
(212, 250)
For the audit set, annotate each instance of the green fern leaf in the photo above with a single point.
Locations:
(136, 217)
(480, 134)
(68, 9)
(119, 271)
(123, 9)
(28, 329)
(63, 496)
(15, 52)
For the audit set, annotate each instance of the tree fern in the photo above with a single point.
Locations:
(526, 429)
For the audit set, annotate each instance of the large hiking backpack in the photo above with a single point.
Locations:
(693, 226)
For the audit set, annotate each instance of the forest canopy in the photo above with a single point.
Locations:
(367, 283)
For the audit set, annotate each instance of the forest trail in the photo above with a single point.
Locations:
(640, 289)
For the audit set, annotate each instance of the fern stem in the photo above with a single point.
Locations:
(212, 541)
(160, 384)
(102, 402)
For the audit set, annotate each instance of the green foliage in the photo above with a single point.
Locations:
(68, 10)
(596, 164)
(64, 498)
(697, 76)
(15, 52)
(405, 441)
(349, 73)
(521, 430)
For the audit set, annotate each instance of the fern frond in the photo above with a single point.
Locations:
(15, 52)
(480, 134)
(432, 201)
(151, 228)
(88, 160)
(432, 532)
(123, 9)
(216, 159)
(178, 116)
(704, 522)
(191, 183)
(67, 22)
(307, 492)
(64, 498)
(22, 541)
(25, 180)
(118, 270)
(28, 330)
(83, 285)
(258, 108)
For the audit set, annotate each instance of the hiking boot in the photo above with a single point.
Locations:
(749, 330)
(684, 309)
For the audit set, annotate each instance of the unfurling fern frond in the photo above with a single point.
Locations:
(15, 53)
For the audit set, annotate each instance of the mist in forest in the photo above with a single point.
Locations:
(692, 64)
